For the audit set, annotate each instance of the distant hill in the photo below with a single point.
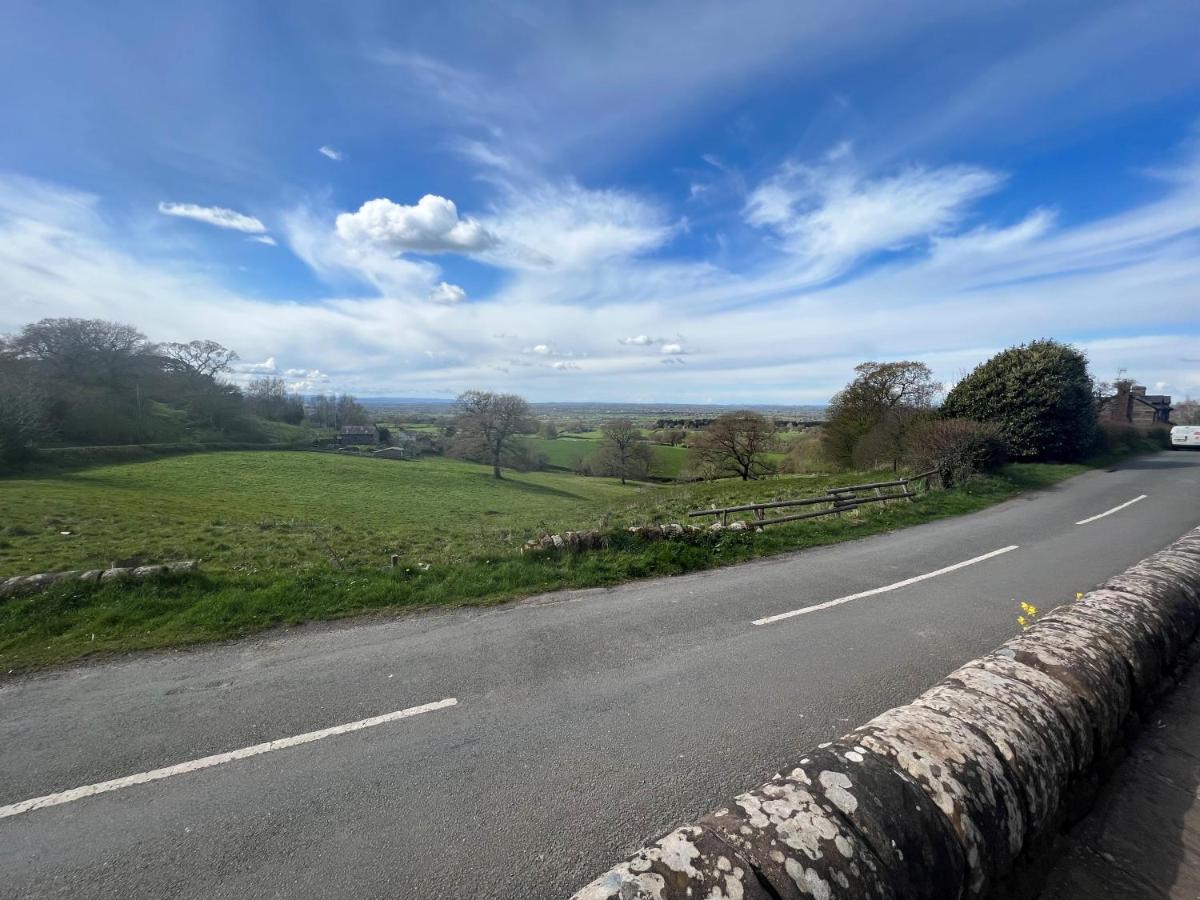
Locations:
(592, 410)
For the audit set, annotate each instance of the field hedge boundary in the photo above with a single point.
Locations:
(961, 792)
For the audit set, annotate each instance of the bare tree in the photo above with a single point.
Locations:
(487, 425)
(269, 398)
(208, 359)
(737, 443)
(623, 453)
(871, 417)
(1186, 412)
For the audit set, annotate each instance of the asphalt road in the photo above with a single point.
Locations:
(585, 722)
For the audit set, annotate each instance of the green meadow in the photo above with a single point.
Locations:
(292, 536)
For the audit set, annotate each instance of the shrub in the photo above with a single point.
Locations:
(1040, 394)
(956, 448)
(1121, 437)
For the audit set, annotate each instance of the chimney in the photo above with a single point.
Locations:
(1138, 390)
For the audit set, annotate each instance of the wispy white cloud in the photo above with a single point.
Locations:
(265, 239)
(59, 255)
(829, 215)
(335, 155)
(567, 226)
(214, 215)
(444, 292)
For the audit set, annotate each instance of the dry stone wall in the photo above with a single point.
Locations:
(25, 584)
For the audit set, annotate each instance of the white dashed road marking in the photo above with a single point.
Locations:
(207, 762)
(883, 590)
(1109, 512)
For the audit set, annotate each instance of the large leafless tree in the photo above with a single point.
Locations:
(208, 359)
(487, 425)
(737, 443)
(623, 452)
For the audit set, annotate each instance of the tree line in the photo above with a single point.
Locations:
(1036, 401)
(95, 382)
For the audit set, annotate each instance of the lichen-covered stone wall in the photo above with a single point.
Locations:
(950, 795)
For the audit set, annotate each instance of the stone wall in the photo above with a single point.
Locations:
(25, 584)
(960, 792)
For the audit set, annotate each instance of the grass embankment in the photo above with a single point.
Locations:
(289, 537)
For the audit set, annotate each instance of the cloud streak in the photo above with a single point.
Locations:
(214, 215)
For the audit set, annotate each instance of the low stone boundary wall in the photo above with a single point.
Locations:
(24, 584)
(595, 540)
(958, 792)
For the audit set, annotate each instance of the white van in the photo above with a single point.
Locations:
(1184, 436)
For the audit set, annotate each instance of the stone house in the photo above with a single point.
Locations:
(357, 436)
(1131, 405)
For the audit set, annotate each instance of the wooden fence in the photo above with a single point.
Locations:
(837, 500)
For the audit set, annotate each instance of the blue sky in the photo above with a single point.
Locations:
(637, 201)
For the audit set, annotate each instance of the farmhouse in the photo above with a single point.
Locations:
(357, 436)
(1132, 405)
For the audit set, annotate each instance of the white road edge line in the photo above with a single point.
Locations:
(882, 590)
(207, 762)
(1109, 512)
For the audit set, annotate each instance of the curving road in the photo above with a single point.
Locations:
(517, 751)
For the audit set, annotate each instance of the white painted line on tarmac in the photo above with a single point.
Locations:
(883, 590)
(1109, 512)
(207, 762)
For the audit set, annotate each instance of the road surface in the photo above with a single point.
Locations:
(535, 743)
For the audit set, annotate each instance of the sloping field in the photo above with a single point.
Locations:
(295, 536)
(242, 511)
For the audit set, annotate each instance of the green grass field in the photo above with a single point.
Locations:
(244, 511)
(295, 536)
(566, 453)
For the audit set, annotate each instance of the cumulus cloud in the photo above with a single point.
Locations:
(640, 340)
(313, 375)
(335, 155)
(672, 349)
(214, 215)
(267, 367)
(829, 215)
(432, 225)
(338, 261)
(445, 292)
(564, 366)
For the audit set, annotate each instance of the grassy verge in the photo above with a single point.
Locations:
(281, 575)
